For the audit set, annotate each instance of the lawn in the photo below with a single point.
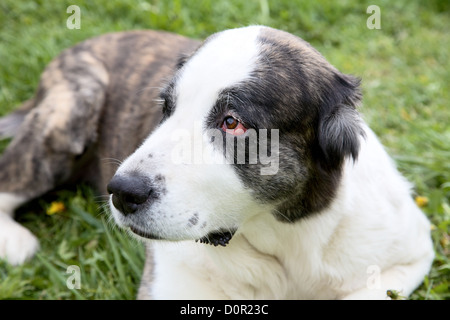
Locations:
(405, 72)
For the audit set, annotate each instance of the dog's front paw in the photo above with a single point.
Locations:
(17, 243)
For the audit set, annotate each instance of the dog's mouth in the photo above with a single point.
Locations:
(216, 238)
(144, 234)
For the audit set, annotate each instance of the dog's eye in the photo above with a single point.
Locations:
(230, 123)
(233, 126)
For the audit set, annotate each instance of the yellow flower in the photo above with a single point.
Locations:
(55, 207)
(421, 201)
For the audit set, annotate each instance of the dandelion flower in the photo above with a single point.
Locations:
(55, 207)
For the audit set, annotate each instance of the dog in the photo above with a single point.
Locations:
(249, 175)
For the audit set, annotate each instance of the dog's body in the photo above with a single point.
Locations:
(321, 212)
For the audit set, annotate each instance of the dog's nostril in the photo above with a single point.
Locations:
(124, 204)
(129, 192)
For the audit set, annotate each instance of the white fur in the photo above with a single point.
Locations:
(370, 239)
(17, 244)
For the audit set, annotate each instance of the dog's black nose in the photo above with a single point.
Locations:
(129, 192)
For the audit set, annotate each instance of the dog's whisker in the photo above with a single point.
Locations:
(285, 217)
(113, 161)
(101, 197)
(104, 207)
(159, 100)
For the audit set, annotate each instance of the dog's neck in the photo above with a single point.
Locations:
(264, 238)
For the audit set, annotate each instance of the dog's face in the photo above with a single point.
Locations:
(255, 122)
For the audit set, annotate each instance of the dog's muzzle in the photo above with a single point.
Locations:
(132, 193)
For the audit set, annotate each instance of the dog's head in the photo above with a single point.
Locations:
(255, 121)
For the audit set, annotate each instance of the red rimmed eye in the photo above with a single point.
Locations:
(232, 126)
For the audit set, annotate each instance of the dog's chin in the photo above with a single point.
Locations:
(216, 238)
(144, 234)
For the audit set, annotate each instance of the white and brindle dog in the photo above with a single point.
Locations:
(258, 149)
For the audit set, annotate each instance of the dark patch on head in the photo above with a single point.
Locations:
(293, 89)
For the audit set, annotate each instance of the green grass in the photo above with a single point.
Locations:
(404, 68)
(80, 235)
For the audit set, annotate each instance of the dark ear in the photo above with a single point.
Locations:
(339, 124)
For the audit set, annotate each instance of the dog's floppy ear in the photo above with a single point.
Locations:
(337, 137)
(339, 123)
